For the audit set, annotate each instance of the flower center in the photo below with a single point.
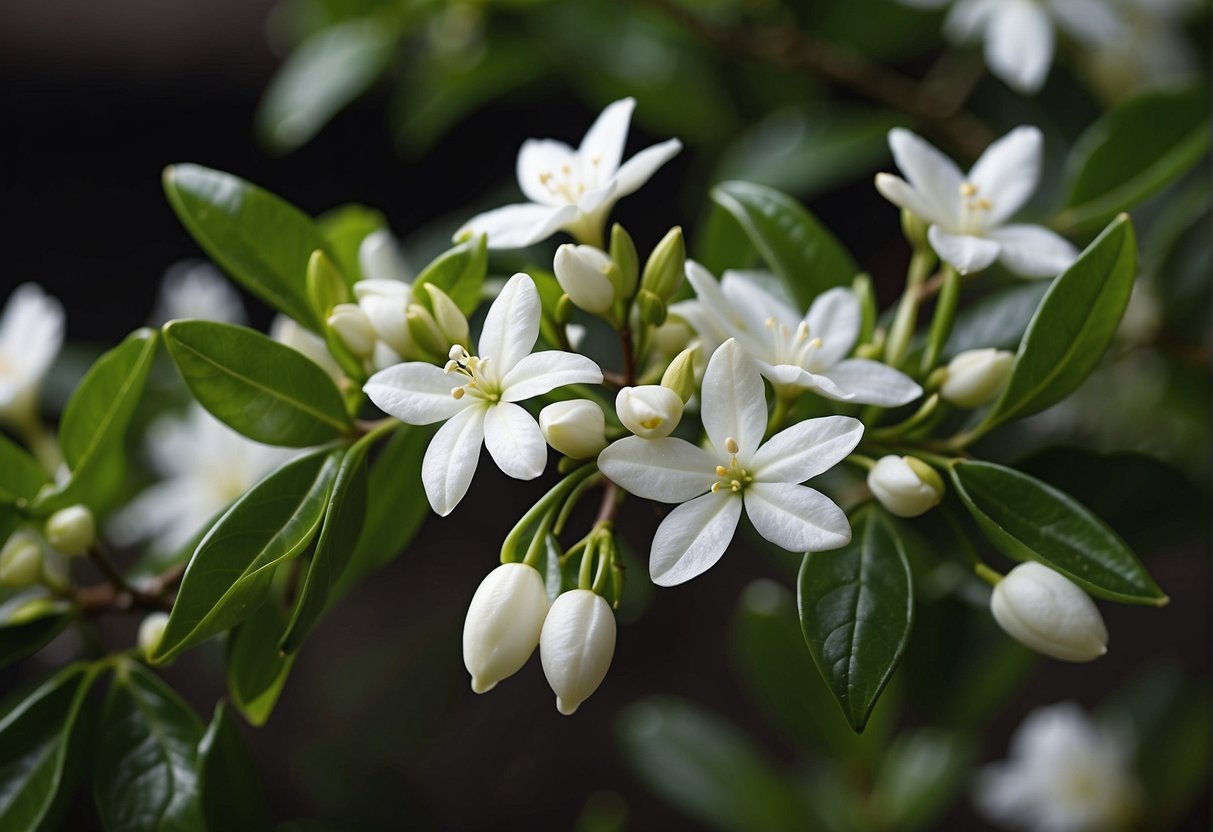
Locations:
(975, 208)
(471, 367)
(568, 183)
(734, 478)
(792, 346)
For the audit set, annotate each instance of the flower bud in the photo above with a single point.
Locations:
(976, 377)
(354, 328)
(576, 646)
(649, 411)
(623, 253)
(663, 271)
(1049, 613)
(427, 337)
(503, 624)
(380, 258)
(326, 288)
(20, 560)
(151, 632)
(585, 272)
(564, 310)
(450, 320)
(905, 485)
(71, 530)
(575, 428)
(385, 302)
(652, 309)
(671, 338)
(914, 228)
(680, 375)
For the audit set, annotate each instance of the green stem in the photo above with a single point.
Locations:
(535, 549)
(941, 323)
(921, 263)
(986, 573)
(41, 442)
(587, 561)
(606, 558)
(893, 432)
(783, 405)
(864, 462)
(537, 511)
(573, 499)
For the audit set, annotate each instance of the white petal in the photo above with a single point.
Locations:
(753, 306)
(1033, 250)
(667, 470)
(597, 198)
(1008, 172)
(734, 401)
(511, 326)
(792, 375)
(540, 372)
(537, 160)
(835, 317)
(806, 449)
(1019, 45)
(711, 298)
(796, 518)
(934, 176)
(899, 192)
(416, 393)
(693, 537)
(966, 253)
(518, 226)
(31, 333)
(381, 260)
(641, 167)
(870, 382)
(515, 441)
(450, 460)
(603, 144)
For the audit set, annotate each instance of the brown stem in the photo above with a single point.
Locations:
(609, 504)
(118, 594)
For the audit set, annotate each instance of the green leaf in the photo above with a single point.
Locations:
(40, 742)
(1072, 326)
(256, 668)
(265, 390)
(345, 228)
(1029, 520)
(792, 241)
(324, 74)
(232, 799)
(721, 243)
(343, 521)
(21, 477)
(262, 241)
(145, 774)
(231, 570)
(459, 272)
(1133, 152)
(21, 640)
(856, 608)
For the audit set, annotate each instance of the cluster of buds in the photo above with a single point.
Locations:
(70, 531)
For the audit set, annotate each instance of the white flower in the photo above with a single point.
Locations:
(380, 258)
(204, 466)
(193, 289)
(795, 353)
(572, 190)
(975, 377)
(575, 428)
(714, 483)
(287, 331)
(1064, 774)
(476, 396)
(503, 623)
(1046, 611)
(650, 411)
(904, 485)
(31, 333)
(576, 646)
(968, 214)
(583, 273)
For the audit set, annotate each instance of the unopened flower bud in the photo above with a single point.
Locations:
(680, 375)
(665, 266)
(575, 428)
(905, 485)
(503, 623)
(564, 310)
(649, 411)
(425, 334)
(20, 560)
(976, 377)
(450, 320)
(71, 530)
(913, 227)
(380, 258)
(326, 288)
(576, 646)
(671, 338)
(151, 632)
(623, 253)
(1049, 613)
(652, 309)
(585, 273)
(384, 302)
(354, 328)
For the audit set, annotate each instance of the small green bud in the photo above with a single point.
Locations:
(914, 228)
(925, 473)
(350, 364)
(664, 269)
(20, 561)
(564, 310)
(326, 287)
(353, 328)
(71, 530)
(652, 308)
(680, 375)
(623, 253)
(450, 319)
(425, 332)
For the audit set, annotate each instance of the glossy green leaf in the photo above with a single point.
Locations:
(721, 243)
(795, 245)
(324, 74)
(460, 273)
(259, 239)
(232, 796)
(343, 520)
(40, 741)
(145, 774)
(1134, 151)
(256, 668)
(345, 228)
(265, 390)
(20, 640)
(997, 320)
(1029, 520)
(21, 477)
(230, 571)
(856, 608)
(1072, 326)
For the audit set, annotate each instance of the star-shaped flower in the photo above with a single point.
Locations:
(31, 333)
(736, 470)
(476, 396)
(968, 213)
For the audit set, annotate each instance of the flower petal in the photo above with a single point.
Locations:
(752, 305)
(597, 198)
(806, 449)
(693, 537)
(899, 192)
(792, 375)
(451, 459)
(511, 326)
(1008, 172)
(1019, 45)
(602, 147)
(540, 372)
(835, 317)
(796, 518)
(966, 253)
(870, 382)
(518, 226)
(513, 438)
(1033, 250)
(415, 392)
(667, 470)
(934, 176)
(734, 401)
(641, 167)
(711, 298)
(537, 160)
